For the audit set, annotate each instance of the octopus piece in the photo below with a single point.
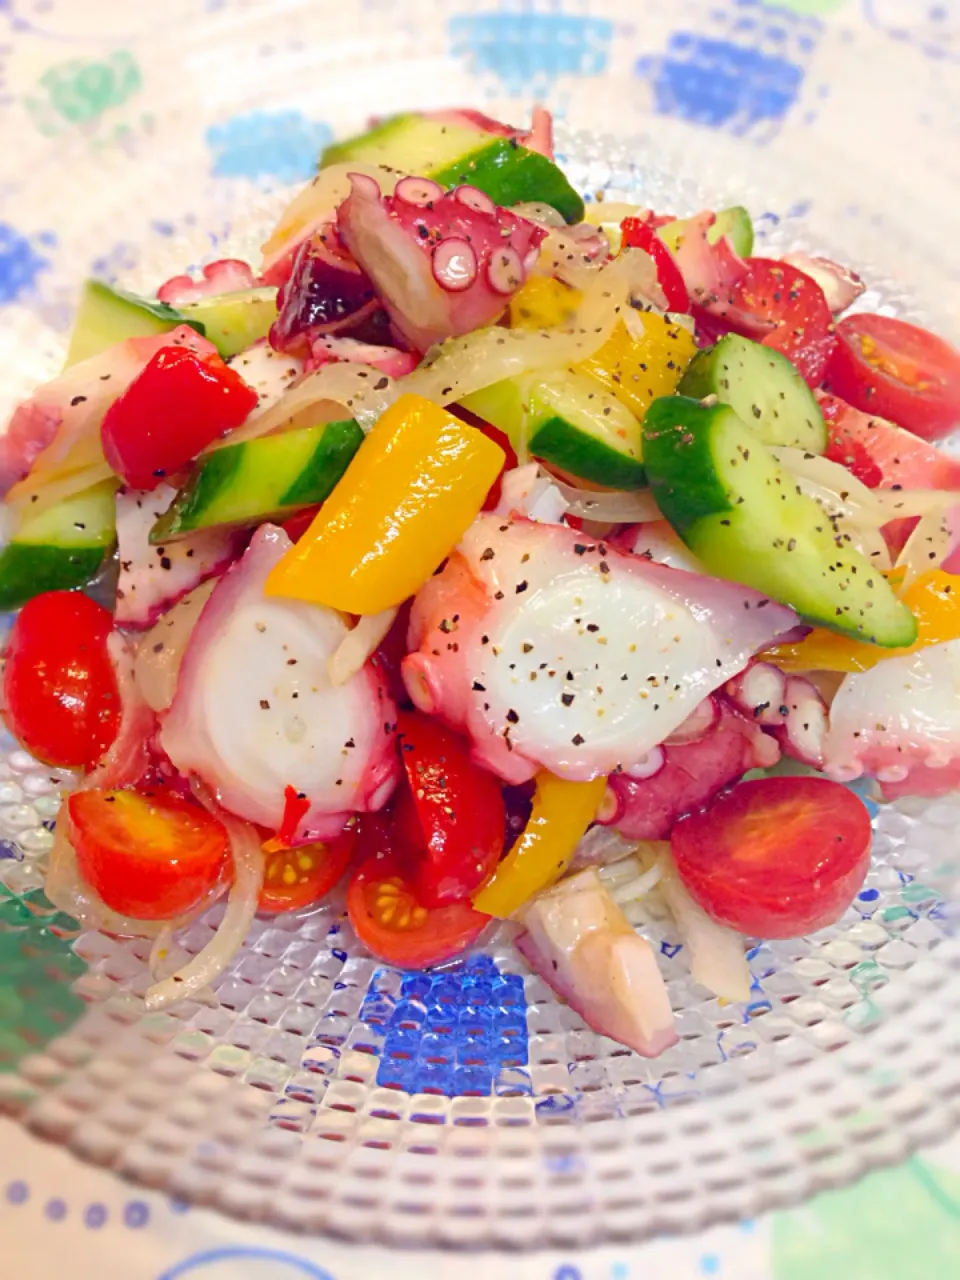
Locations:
(326, 294)
(256, 713)
(685, 776)
(553, 650)
(900, 721)
(443, 263)
(227, 275)
(582, 945)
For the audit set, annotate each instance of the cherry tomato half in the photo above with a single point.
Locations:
(59, 687)
(775, 857)
(389, 918)
(897, 371)
(775, 291)
(450, 817)
(150, 855)
(295, 878)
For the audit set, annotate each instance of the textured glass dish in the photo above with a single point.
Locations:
(469, 1107)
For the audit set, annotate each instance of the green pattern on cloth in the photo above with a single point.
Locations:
(878, 1229)
(78, 92)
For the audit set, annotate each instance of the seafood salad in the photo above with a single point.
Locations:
(491, 557)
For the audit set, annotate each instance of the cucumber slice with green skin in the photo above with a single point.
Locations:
(107, 316)
(762, 387)
(260, 479)
(452, 154)
(744, 517)
(233, 321)
(733, 222)
(570, 421)
(510, 174)
(61, 548)
(409, 142)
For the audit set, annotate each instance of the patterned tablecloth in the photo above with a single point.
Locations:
(879, 77)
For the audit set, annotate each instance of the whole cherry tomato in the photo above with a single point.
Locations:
(59, 687)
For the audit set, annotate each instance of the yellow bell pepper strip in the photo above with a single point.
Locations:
(543, 303)
(408, 496)
(638, 370)
(562, 811)
(934, 599)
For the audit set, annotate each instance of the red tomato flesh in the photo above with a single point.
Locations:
(450, 817)
(880, 454)
(773, 291)
(297, 877)
(173, 409)
(776, 857)
(59, 688)
(150, 855)
(388, 916)
(640, 234)
(897, 371)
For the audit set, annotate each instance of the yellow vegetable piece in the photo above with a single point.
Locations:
(638, 370)
(562, 811)
(543, 303)
(413, 488)
(934, 599)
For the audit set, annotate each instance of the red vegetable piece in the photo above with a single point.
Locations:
(152, 855)
(897, 371)
(59, 687)
(774, 291)
(178, 405)
(450, 817)
(387, 914)
(776, 857)
(641, 234)
(295, 878)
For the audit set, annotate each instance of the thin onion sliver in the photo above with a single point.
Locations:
(358, 645)
(210, 962)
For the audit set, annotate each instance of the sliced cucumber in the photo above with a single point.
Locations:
(409, 142)
(234, 321)
(510, 174)
(249, 482)
(61, 548)
(107, 316)
(452, 154)
(733, 222)
(745, 519)
(570, 421)
(762, 387)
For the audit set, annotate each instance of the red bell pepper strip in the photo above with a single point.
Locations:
(178, 405)
(638, 234)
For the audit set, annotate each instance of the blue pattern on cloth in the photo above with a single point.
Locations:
(21, 261)
(451, 1032)
(746, 72)
(528, 50)
(281, 145)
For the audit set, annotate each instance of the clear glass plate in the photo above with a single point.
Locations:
(469, 1107)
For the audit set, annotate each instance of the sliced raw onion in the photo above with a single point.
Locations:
(717, 954)
(840, 285)
(602, 846)
(570, 258)
(611, 507)
(461, 366)
(536, 211)
(159, 652)
(358, 645)
(210, 962)
(930, 544)
(333, 392)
